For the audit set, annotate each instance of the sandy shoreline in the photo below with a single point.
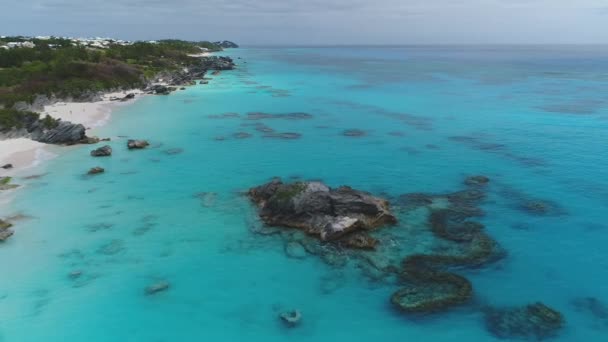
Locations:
(24, 153)
(202, 54)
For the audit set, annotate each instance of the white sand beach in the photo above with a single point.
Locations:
(24, 153)
(89, 114)
(21, 153)
(202, 54)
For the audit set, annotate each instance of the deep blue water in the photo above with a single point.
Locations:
(533, 119)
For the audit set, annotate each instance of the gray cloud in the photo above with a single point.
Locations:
(316, 21)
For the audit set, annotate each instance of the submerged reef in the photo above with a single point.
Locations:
(536, 321)
(354, 133)
(429, 287)
(413, 242)
(594, 308)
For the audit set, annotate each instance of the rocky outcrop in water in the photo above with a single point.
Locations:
(104, 151)
(329, 214)
(137, 144)
(96, 170)
(338, 226)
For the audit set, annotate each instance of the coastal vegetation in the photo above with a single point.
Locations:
(12, 118)
(78, 69)
(66, 70)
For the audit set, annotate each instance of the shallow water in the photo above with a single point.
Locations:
(533, 119)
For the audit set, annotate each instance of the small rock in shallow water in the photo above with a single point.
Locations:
(92, 140)
(104, 151)
(96, 170)
(128, 97)
(137, 144)
(291, 318)
(331, 213)
(7, 166)
(157, 287)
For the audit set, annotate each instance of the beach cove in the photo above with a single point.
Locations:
(389, 121)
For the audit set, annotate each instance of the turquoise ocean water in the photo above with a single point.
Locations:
(533, 119)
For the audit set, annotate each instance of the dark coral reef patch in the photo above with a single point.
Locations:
(343, 226)
(536, 321)
(428, 287)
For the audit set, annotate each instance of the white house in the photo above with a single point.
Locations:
(20, 44)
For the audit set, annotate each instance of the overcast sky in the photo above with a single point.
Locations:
(315, 21)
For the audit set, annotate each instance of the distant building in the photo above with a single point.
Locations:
(97, 43)
(12, 45)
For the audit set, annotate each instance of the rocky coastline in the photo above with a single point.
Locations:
(51, 131)
(31, 126)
